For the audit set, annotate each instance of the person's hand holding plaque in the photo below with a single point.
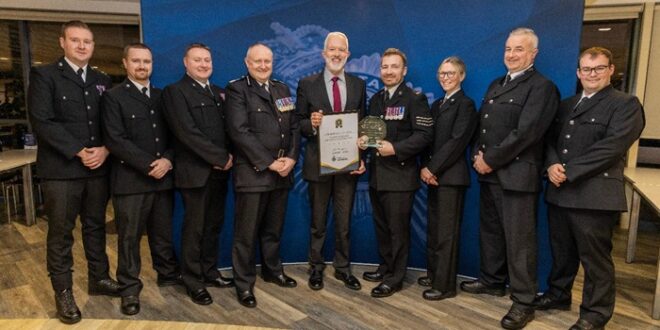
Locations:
(374, 129)
(385, 148)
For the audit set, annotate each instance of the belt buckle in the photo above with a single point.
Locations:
(280, 153)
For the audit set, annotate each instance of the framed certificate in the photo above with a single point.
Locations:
(338, 150)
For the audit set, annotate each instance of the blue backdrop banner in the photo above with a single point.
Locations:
(426, 30)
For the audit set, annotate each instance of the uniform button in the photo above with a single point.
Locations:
(565, 151)
(563, 164)
(86, 93)
(158, 154)
(483, 146)
(381, 116)
(217, 104)
(121, 161)
(517, 158)
(282, 135)
(279, 119)
(157, 139)
(258, 109)
(152, 112)
(490, 102)
(91, 138)
(402, 163)
(568, 136)
(510, 100)
(571, 122)
(378, 154)
(132, 116)
(154, 125)
(89, 107)
(63, 97)
(606, 174)
(202, 104)
(593, 120)
(483, 130)
(90, 122)
(486, 116)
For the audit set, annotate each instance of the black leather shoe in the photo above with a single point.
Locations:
(169, 281)
(281, 280)
(247, 299)
(107, 287)
(433, 294)
(130, 305)
(349, 280)
(315, 280)
(424, 281)
(67, 310)
(221, 282)
(545, 302)
(583, 324)
(383, 290)
(200, 296)
(478, 287)
(517, 318)
(373, 276)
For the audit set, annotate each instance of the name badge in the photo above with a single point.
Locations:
(285, 104)
(394, 113)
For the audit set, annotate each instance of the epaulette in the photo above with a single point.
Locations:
(237, 79)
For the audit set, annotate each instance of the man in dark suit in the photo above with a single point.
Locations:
(141, 182)
(585, 159)
(64, 101)
(393, 169)
(194, 110)
(264, 129)
(333, 90)
(447, 174)
(515, 114)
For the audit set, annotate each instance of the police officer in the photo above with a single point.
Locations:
(194, 110)
(584, 158)
(64, 99)
(394, 172)
(141, 180)
(264, 129)
(516, 112)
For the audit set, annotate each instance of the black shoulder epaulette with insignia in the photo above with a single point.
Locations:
(237, 79)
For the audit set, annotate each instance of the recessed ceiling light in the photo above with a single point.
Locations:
(605, 29)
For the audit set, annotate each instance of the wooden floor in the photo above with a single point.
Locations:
(26, 299)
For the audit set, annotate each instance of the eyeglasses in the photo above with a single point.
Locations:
(585, 70)
(446, 74)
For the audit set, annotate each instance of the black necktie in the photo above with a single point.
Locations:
(207, 88)
(144, 91)
(80, 74)
(580, 103)
(265, 87)
(507, 79)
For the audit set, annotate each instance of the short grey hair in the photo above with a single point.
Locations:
(334, 34)
(523, 31)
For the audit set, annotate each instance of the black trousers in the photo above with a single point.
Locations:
(391, 212)
(133, 213)
(259, 215)
(341, 188)
(445, 212)
(583, 236)
(64, 201)
(204, 209)
(508, 240)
